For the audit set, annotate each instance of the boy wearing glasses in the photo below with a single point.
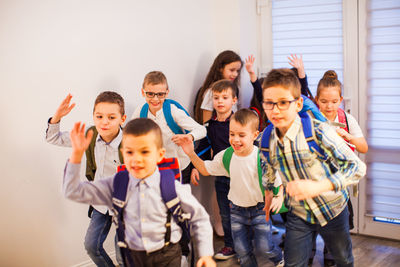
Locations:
(315, 183)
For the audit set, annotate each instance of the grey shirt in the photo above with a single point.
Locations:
(145, 212)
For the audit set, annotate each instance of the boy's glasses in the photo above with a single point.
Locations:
(152, 94)
(282, 105)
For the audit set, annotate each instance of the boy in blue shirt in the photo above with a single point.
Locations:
(145, 212)
(315, 182)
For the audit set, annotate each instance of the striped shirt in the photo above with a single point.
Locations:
(293, 159)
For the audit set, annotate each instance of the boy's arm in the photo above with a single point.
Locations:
(197, 131)
(350, 169)
(249, 62)
(53, 134)
(97, 192)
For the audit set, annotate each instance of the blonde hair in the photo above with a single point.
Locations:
(155, 77)
(246, 116)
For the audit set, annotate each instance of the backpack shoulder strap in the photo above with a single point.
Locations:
(120, 188)
(309, 105)
(90, 159)
(144, 111)
(309, 133)
(264, 143)
(168, 115)
(259, 171)
(343, 119)
(226, 158)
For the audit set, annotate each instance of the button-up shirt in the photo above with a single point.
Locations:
(292, 158)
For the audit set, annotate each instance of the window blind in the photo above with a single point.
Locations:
(312, 28)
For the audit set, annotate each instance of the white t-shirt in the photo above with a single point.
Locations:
(207, 103)
(354, 128)
(244, 185)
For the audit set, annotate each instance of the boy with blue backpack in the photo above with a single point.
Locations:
(316, 167)
(241, 163)
(143, 198)
(173, 119)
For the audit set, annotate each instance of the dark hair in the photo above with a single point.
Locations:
(285, 78)
(110, 97)
(143, 126)
(245, 116)
(256, 105)
(224, 85)
(214, 74)
(330, 79)
(155, 77)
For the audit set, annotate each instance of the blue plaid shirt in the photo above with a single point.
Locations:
(292, 158)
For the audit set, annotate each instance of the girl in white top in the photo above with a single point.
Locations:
(227, 65)
(328, 98)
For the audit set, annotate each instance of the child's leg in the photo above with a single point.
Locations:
(95, 235)
(222, 190)
(241, 235)
(298, 241)
(336, 236)
(264, 247)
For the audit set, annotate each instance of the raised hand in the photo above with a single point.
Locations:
(195, 177)
(79, 142)
(297, 62)
(249, 62)
(63, 109)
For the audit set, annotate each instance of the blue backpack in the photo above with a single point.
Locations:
(167, 114)
(169, 172)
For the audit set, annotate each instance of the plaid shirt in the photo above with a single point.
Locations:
(293, 159)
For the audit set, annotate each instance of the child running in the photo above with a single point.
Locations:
(150, 237)
(315, 172)
(245, 195)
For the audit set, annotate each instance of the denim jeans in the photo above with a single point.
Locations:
(336, 235)
(96, 233)
(247, 223)
(222, 190)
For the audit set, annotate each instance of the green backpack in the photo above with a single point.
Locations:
(226, 160)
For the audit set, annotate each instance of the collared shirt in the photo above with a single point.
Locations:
(145, 213)
(184, 121)
(293, 159)
(106, 154)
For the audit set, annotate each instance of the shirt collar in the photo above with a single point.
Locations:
(293, 129)
(214, 116)
(115, 142)
(151, 181)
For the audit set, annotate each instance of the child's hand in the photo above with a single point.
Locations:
(276, 203)
(206, 261)
(345, 135)
(302, 189)
(297, 62)
(79, 142)
(185, 141)
(195, 177)
(267, 205)
(63, 109)
(249, 62)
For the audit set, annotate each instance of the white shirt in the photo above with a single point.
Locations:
(184, 121)
(207, 103)
(354, 128)
(245, 188)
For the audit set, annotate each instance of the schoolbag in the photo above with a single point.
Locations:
(175, 128)
(342, 118)
(169, 172)
(226, 160)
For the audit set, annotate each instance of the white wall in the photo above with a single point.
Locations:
(49, 48)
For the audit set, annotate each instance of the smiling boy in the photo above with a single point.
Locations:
(145, 213)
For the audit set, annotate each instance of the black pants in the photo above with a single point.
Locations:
(168, 256)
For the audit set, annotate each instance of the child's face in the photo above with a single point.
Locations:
(141, 154)
(329, 101)
(282, 118)
(231, 71)
(223, 101)
(107, 118)
(242, 138)
(155, 95)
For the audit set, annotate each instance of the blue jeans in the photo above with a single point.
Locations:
(247, 223)
(336, 235)
(222, 190)
(96, 233)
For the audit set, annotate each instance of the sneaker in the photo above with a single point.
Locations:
(225, 253)
(280, 264)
